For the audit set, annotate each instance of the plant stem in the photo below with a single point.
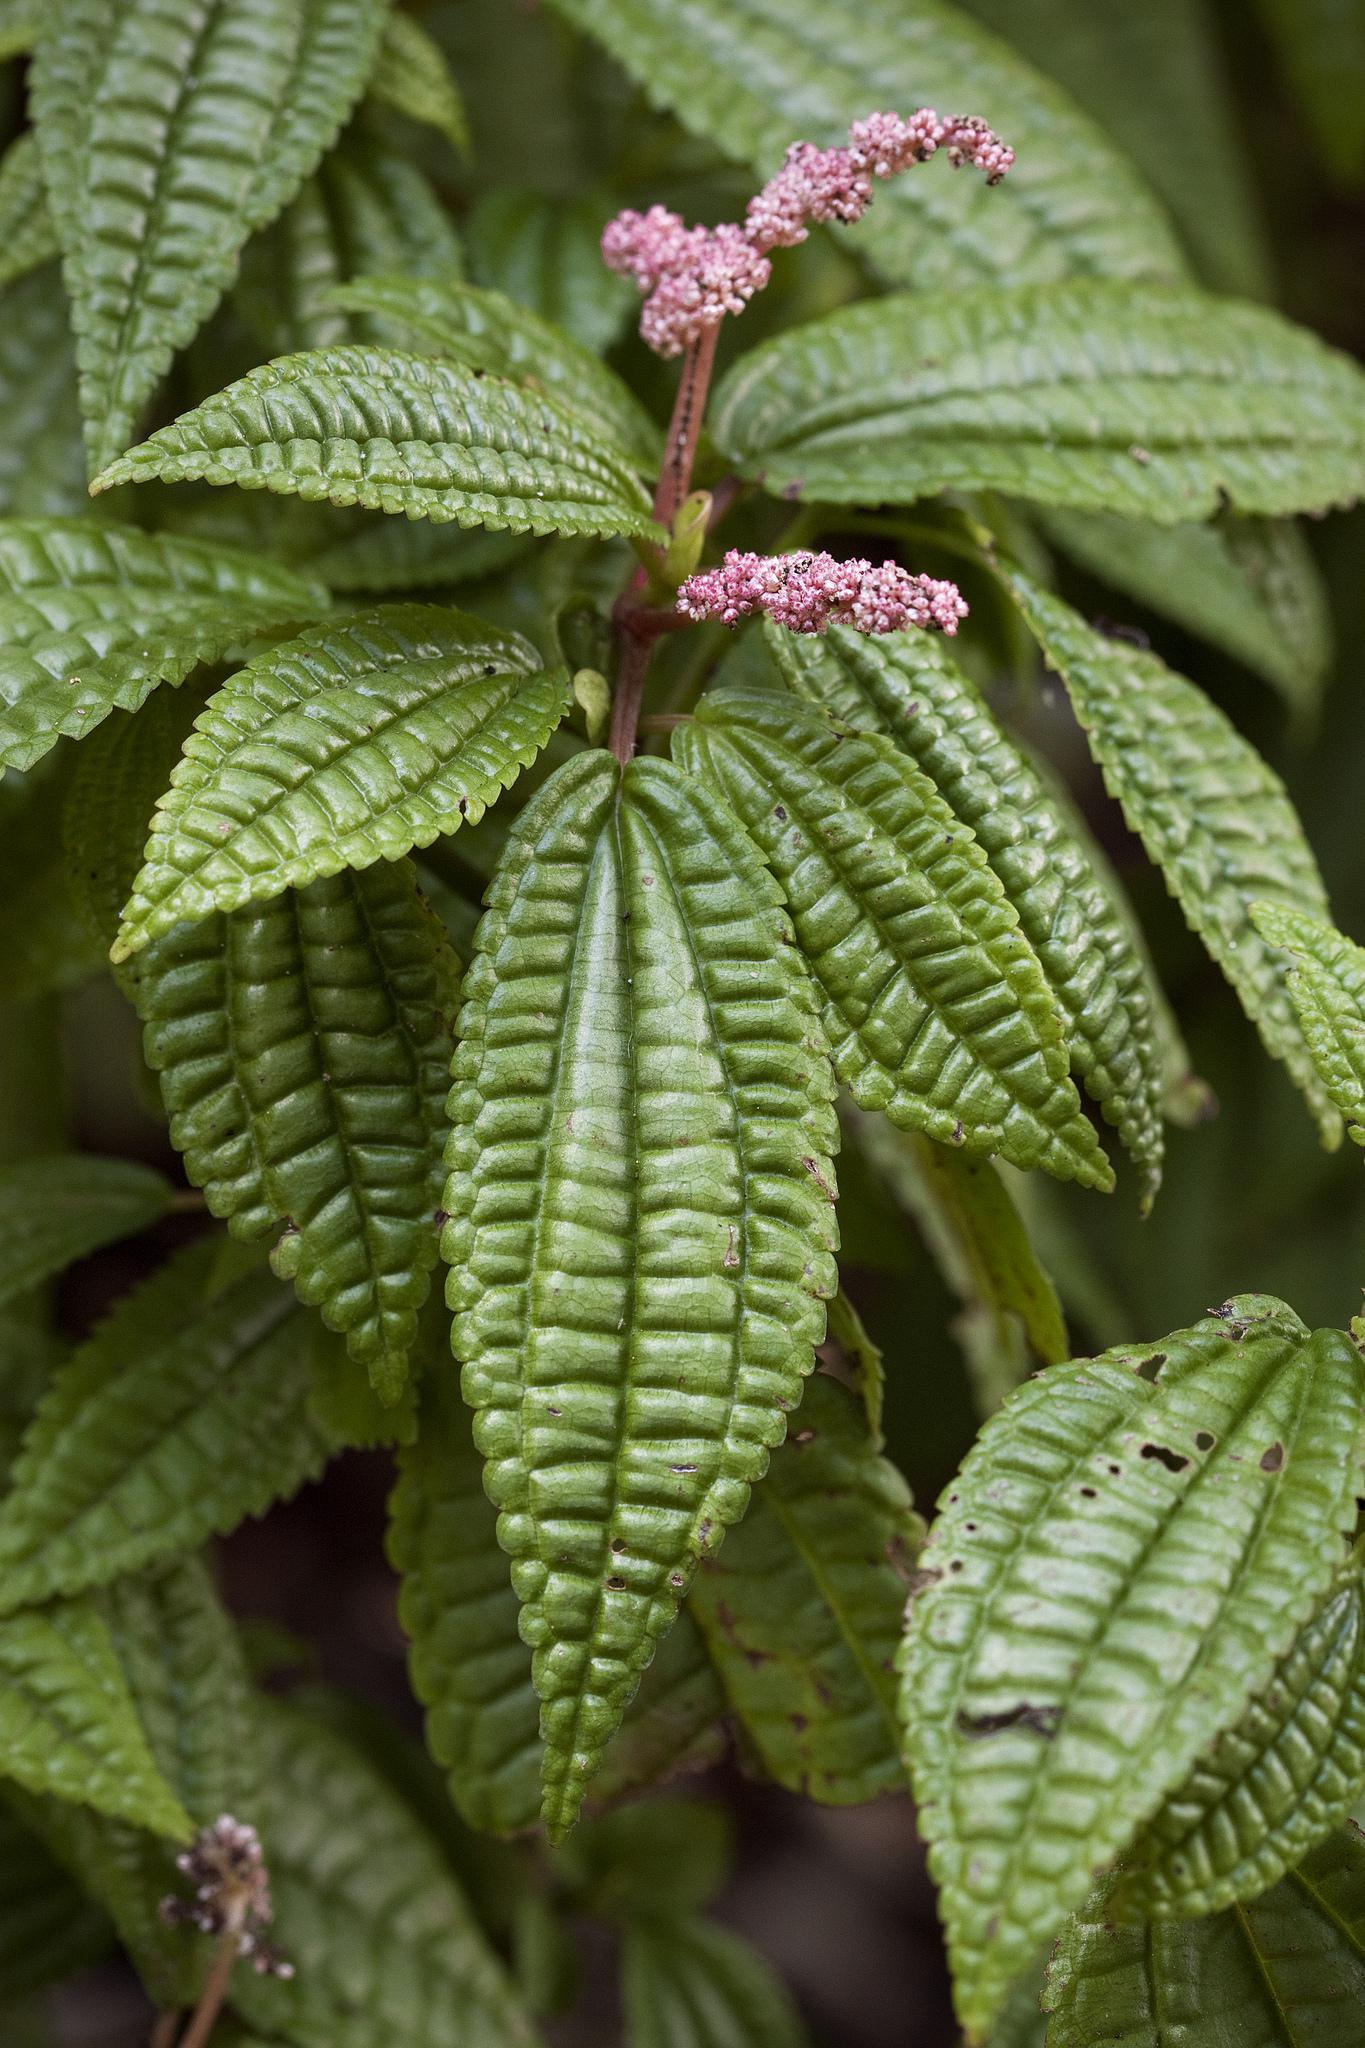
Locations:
(214, 1992)
(163, 2030)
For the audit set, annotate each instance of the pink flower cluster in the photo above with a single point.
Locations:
(231, 1892)
(695, 276)
(807, 592)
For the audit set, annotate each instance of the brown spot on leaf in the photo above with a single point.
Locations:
(1040, 1720)
(1273, 1459)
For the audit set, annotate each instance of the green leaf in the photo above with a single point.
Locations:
(170, 130)
(304, 1052)
(48, 1928)
(366, 1909)
(801, 1607)
(660, 1858)
(674, 1723)
(753, 76)
(177, 1419)
(399, 554)
(901, 684)
(42, 462)
(490, 332)
(351, 744)
(546, 254)
(413, 78)
(57, 1209)
(93, 617)
(1163, 404)
(1327, 988)
(69, 1724)
(695, 1985)
(27, 237)
(1287, 1968)
(864, 1360)
(1321, 49)
(640, 1095)
(21, 24)
(400, 433)
(1129, 1550)
(43, 940)
(933, 1000)
(1212, 815)
(1270, 1788)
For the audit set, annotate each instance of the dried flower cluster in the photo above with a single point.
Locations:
(231, 1892)
(809, 591)
(693, 277)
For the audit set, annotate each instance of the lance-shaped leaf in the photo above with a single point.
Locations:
(177, 1419)
(901, 684)
(1287, 1968)
(1162, 404)
(491, 332)
(69, 1724)
(42, 463)
(351, 744)
(170, 130)
(801, 1607)
(401, 433)
(753, 75)
(304, 1052)
(56, 1209)
(366, 1909)
(1131, 1547)
(696, 1985)
(641, 1226)
(1270, 1788)
(1327, 988)
(1210, 812)
(933, 1000)
(94, 616)
(27, 236)
(49, 1929)
(413, 78)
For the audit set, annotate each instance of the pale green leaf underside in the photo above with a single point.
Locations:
(695, 1985)
(174, 1421)
(353, 743)
(55, 1209)
(413, 78)
(94, 616)
(1327, 988)
(1210, 812)
(1286, 1970)
(754, 75)
(170, 130)
(304, 1048)
(27, 236)
(400, 433)
(641, 1228)
(1271, 1787)
(489, 331)
(1130, 1548)
(903, 685)
(933, 1000)
(801, 1607)
(1162, 404)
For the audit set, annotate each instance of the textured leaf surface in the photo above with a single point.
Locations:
(383, 1942)
(546, 253)
(901, 684)
(1212, 815)
(696, 1985)
(1162, 404)
(753, 75)
(55, 1209)
(641, 1225)
(177, 1419)
(27, 236)
(801, 1607)
(351, 744)
(48, 1928)
(400, 433)
(398, 554)
(170, 129)
(934, 1002)
(1286, 1970)
(491, 332)
(413, 78)
(1271, 1788)
(42, 462)
(1131, 1547)
(1327, 988)
(92, 617)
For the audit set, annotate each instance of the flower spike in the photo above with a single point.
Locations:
(807, 592)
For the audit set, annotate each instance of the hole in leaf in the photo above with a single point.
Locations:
(1174, 1461)
(1204, 1439)
(1150, 1368)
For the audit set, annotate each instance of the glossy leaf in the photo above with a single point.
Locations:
(546, 254)
(801, 1607)
(54, 1210)
(1326, 985)
(933, 1000)
(400, 433)
(1210, 812)
(93, 617)
(903, 685)
(695, 1985)
(174, 1421)
(42, 462)
(1131, 1547)
(639, 1176)
(350, 744)
(27, 237)
(1162, 404)
(413, 78)
(754, 75)
(170, 130)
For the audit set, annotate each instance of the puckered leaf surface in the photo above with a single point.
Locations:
(641, 1228)
(57, 1208)
(1327, 988)
(1131, 1547)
